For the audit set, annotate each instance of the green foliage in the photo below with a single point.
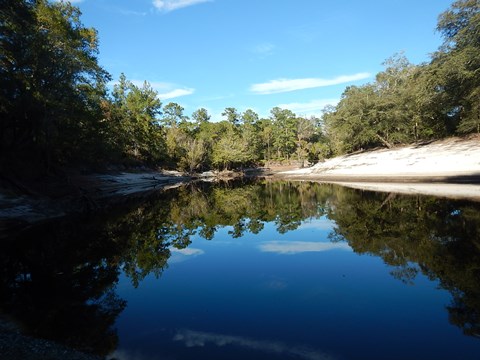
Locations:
(193, 157)
(173, 115)
(50, 80)
(284, 124)
(458, 64)
(378, 114)
(232, 115)
(230, 149)
(133, 116)
(201, 116)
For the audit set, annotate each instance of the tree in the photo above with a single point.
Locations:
(50, 80)
(135, 112)
(200, 116)
(382, 113)
(194, 154)
(232, 115)
(173, 115)
(284, 129)
(305, 132)
(393, 110)
(266, 135)
(230, 148)
(175, 139)
(249, 117)
(251, 134)
(457, 63)
(350, 126)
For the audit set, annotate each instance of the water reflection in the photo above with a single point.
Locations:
(439, 238)
(296, 247)
(193, 338)
(59, 279)
(58, 283)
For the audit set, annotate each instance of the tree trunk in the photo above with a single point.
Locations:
(384, 142)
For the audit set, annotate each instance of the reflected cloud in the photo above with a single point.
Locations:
(297, 247)
(276, 285)
(179, 255)
(131, 355)
(319, 224)
(199, 339)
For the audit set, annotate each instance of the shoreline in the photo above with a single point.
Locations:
(445, 168)
(443, 178)
(423, 168)
(455, 191)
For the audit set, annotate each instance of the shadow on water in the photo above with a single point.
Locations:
(58, 279)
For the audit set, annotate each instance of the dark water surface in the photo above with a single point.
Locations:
(265, 270)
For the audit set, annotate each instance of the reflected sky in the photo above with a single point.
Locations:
(179, 255)
(200, 339)
(296, 247)
(292, 295)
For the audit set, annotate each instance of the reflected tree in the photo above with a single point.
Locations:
(60, 285)
(438, 238)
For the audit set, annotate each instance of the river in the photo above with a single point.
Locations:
(254, 270)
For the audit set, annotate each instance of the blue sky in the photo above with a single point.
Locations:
(258, 54)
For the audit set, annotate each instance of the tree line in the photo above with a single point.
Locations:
(57, 109)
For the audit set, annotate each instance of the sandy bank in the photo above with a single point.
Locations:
(421, 168)
(78, 193)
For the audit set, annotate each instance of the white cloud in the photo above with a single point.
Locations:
(313, 107)
(165, 90)
(263, 49)
(171, 5)
(176, 93)
(285, 85)
(200, 338)
(296, 247)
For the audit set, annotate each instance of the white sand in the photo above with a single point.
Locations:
(404, 169)
(451, 157)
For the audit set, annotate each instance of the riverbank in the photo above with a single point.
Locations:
(453, 161)
(448, 167)
(16, 346)
(58, 196)
(450, 160)
(31, 201)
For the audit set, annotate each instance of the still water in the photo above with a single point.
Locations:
(257, 270)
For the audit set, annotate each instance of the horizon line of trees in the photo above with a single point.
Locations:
(56, 108)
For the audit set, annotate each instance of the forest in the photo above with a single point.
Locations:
(58, 110)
